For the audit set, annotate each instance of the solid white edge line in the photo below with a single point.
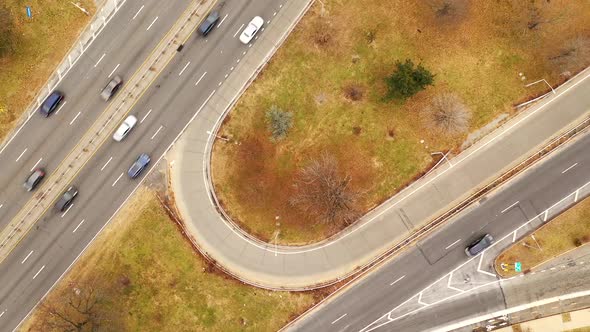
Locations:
(512, 310)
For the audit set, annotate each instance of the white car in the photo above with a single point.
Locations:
(125, 128)
(251, 30)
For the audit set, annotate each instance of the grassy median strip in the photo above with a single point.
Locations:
(330, 76)
(31, 49)
(144, 276)
(568, 231)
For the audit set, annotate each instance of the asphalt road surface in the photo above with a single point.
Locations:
(420, 266)
(172, 100)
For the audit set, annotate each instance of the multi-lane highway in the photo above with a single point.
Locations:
(180, 91)
(438, 254)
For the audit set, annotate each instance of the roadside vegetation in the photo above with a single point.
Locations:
(140, 274)
(31, 48)
(568, 231)
(378, 86)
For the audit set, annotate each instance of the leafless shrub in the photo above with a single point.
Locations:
(325, 195)
(448, 114)
(322, 33)
(449, 11)
(74, 310)
(574, 55)
(353, 92)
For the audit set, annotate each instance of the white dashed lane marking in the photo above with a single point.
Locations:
(154, 21)
(339, 318)
(139, 11)
(41, 269)
(567, 169)
(21, 154)
(24, 260)
(398, 279)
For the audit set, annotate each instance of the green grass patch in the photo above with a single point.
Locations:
(477, 53)
(150, 279)
(564, 233)
(36, 46)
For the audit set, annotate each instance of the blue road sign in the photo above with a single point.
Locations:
(517, 267)
(29, 13)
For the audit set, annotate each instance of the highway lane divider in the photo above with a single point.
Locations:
(102, 128)
(100, 20)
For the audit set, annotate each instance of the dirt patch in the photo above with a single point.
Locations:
(566, 232)
(334, 86)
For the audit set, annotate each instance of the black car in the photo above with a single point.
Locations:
(209, 23)
(50, 103)
(479, 245)
(66, 199)
(34, 179)
(142, 161)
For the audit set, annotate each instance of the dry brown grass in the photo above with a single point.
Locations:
(476, 52)
(151, 280)
(42, 43)
(564, 233)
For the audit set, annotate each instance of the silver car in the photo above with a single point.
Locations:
(111, 88)
(125, 128)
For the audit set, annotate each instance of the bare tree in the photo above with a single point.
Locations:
(574, 55)
(324, 194)
(449, 11)
(448, 114)
(74, 311)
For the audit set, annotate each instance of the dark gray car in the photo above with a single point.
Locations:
(209, 23)
(66, 199)
(479, 245)
(112, 87)
(50, 103)
(34, 179)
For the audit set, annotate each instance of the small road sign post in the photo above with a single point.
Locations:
(517, 266)
(504, 266)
